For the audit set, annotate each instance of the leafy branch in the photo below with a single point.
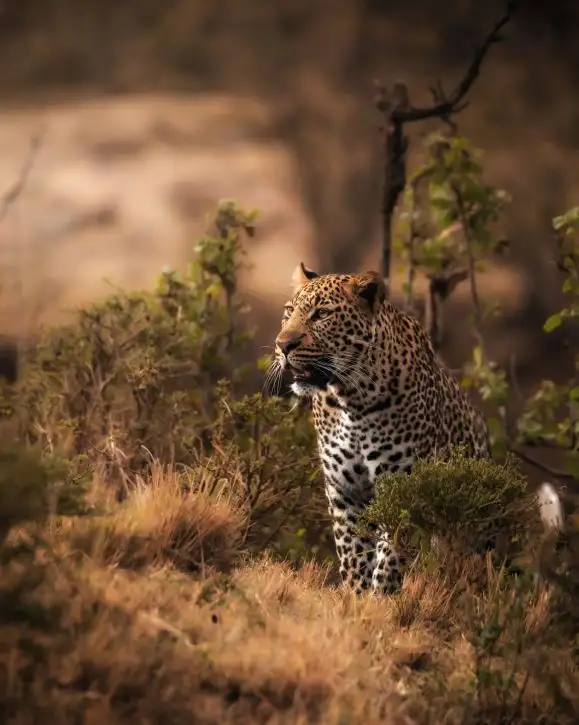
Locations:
(449, 228)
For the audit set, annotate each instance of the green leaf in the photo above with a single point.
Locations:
(569, 218)
(568, 285)
(553, 322)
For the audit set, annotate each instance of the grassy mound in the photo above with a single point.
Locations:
(120, 622)
(161, 523)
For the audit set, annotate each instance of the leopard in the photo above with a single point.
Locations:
(380, 399)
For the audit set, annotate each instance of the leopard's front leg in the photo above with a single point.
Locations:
(387, 573)
(357, 555)
(388, 570)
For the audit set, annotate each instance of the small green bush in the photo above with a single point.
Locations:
(134, 376)
(466, 505)
(268, 446)
(32, 486)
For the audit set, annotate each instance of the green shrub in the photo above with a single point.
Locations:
(464, 504)
(153, 377)
(268, 447)
(33, 486)
(133, 377)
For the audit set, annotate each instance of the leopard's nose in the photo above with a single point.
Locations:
(289, 342)
(287, 347)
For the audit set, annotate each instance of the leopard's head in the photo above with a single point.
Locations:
(327, 327)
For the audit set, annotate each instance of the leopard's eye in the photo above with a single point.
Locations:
(320, 313)
(287, 310)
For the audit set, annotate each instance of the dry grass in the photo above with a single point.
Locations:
(150, 612)
(160, 525)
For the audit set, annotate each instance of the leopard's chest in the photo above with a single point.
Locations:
(356, 448)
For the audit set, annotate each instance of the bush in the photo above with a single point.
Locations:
(33, 486)
(133, 377)
(146, 379)
(466, 505)
(265, 448)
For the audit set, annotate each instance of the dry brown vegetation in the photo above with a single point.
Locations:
(164, 558)
(153, 612)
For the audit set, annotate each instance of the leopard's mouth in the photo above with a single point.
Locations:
(311, 376)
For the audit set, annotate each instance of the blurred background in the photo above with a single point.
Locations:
(123, 123)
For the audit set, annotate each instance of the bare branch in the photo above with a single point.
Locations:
(446, 106)
(16, 189)
(539, 465)
(440, 287)
(474, 293)
(413, 235)
(394, 179)
(549, 444)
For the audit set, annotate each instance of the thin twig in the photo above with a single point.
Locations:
(547, 443)
(18, 273)
(411, 273)
(413, 234)
(471, 262)
(394, 178)
(17, 187)
(536, 463)
(409, 244)
(514, 378)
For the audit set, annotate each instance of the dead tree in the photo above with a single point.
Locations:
(397, 111)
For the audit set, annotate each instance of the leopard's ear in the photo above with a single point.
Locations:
(369, 287)
(302, 275)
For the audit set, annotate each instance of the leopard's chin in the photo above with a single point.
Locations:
(303, 390)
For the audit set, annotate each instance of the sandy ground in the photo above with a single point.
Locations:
(120, 187)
